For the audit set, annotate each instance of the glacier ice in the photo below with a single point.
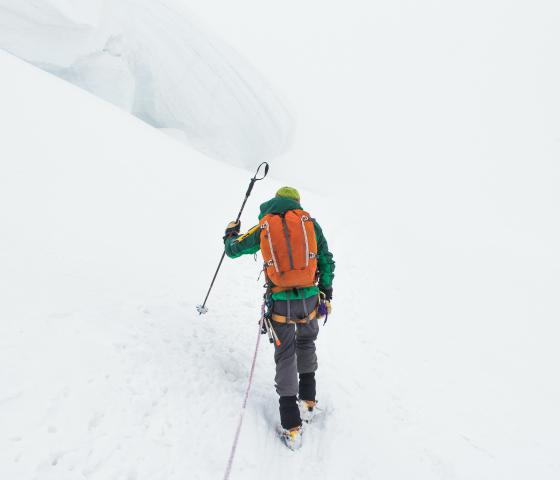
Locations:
(152, 59)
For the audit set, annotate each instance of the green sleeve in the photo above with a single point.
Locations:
(324, 258)
(246, 244)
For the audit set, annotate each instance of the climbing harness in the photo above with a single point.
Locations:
(286, 319)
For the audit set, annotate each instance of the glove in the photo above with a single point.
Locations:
(324, 309)
(327, 291)
(232, 229)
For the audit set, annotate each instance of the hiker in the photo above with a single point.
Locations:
(299, 271)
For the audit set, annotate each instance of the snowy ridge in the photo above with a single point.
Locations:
(437, 163)
(82, 361)
(108, 370)
(153, 60)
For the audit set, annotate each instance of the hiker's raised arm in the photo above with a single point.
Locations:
(246, 244)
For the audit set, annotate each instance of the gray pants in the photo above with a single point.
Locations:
(296, 354)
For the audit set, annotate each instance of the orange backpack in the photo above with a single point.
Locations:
(289, 249)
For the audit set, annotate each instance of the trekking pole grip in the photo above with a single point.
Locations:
(250, 189)
(256, 177)
(266, 167)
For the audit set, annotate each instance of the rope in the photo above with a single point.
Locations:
(238, 431)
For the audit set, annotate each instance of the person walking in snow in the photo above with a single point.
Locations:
(299, 271)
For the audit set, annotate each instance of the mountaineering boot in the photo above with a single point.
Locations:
(289, 412)
(292, 437)
(307, 396)
(307, 410)
(291, 428)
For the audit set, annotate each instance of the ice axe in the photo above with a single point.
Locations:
(202, 308)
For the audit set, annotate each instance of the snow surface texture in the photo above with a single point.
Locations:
(152, 59)
(440, 359)
(439, 363)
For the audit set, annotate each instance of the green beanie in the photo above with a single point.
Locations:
(288, 192)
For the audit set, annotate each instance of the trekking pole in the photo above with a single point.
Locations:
(202, 308)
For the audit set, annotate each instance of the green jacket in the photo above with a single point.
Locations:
(250, 243)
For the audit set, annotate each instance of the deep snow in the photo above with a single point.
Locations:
(440, 359)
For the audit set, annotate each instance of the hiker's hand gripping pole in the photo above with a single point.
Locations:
(258, 176)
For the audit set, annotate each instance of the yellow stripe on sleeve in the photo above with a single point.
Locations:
(248, 233)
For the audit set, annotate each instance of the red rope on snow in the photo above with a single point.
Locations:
(238, 431)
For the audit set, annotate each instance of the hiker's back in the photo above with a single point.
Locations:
(299, 269)
(289, 247)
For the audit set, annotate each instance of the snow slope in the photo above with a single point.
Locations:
(98, 215)
(156, 61)
(107, 370)
(440, 359)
